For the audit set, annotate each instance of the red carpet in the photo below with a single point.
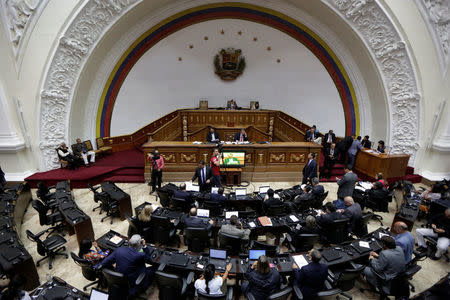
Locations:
(125, 166)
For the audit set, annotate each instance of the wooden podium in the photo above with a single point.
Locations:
(231, 176)
(391, 165)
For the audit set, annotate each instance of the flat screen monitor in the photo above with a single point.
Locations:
(192, 187)
(228, 214)
(98, 295)
(255, 254)
(232, 159)
(241, 191)
(216, 253)
(214, 190)
(264, 189)
(203, 213)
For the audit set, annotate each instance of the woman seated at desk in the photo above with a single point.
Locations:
(91, 255)
(143, 219)
(210, 282)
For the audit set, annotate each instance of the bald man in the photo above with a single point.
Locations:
(194, 221)
(404, 239)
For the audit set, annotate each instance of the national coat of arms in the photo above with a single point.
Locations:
(229, 63)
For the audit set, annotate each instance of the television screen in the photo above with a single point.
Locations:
(233, 159)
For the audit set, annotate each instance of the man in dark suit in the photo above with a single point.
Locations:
(204, 174)
(219, 197)
(366, 143)
(353, 151)
(317, 189)
(193, 221)
(352, 212)
(311, 278)
(241, 136)
(313, 136)
(81, 150)
(327, 218)
(130, 261)
(329, 138)
(212, 136)
(310, 169)
(378, 194)
(182, 194)
(343, 146)
(271, 200)
(331, 156)
(347, 183)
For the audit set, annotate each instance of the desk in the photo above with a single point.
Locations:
(58, 289)
(116, 193)
(231, 176)
(263, 162)
(391, 165)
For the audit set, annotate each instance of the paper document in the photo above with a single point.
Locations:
(300, 260)
(115, 239)
(293, 218)
(381, 234)
(252, 224)
(364, 244)
(366, 185)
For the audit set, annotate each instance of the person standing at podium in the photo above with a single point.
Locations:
(215, 166)
(241, 136)
(204, 175)
(212, 136)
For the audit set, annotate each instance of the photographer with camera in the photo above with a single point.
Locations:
(157, 163)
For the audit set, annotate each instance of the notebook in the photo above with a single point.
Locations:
(265, 221)
(228, 214)
(98, 295)
(218, 258)
(178, 259)
(264, 189)
(241, 193)
(255, 254)
(203, 213)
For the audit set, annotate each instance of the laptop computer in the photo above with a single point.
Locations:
(214, 190)
(255, 254)
(331, 254)
(218, 258)
(203, 213)
(98, 295)
(178, 259)
(241, 193)
(228, 214)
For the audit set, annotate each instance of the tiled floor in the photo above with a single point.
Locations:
(431, 271)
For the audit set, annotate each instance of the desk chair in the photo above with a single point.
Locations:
(276, 210)
(361, 225)
(88, 271)
(247, 214)
(180, 204)
(197, 239)
(54, 219)
(172, 286)
(379, 205)
(119, 286)
(164, 197)
(215, 209)
(318, 201)
(161, 230)
(204, 296)
(108, 205)
(337, 232)
(302, 242)
(49, 248)
(132, 229)
(231, 243)
(329, 290)
(47, 197)
(344, 280)
(271, 250)
(399, 287)
(281, 295)
(98, 197)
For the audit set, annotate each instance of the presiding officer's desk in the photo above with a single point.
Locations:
(187, 261)
(263, 162)
(391, 165)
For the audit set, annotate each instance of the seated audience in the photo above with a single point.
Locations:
(317, 189)
(144, 217)
(66, 154)
(94, 256)
(219, 197)
(232, 104)
(404, 239)
(353, 212)
(309, 228)
(234, 228)
(262, 280)
(379, 178)
(381, 147)
(331, 157)
(271, 200)
(329, 139)
(366, 143)
(130, 261)
(388, 264)
(326, 218)
(81, 150)
(241, 136)
(432, 193)
(379, 195)
(193, 221)
(183, 194)
(15, 289)
(212, 136)
(440, 228)
(211, 282)
(311, 278)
